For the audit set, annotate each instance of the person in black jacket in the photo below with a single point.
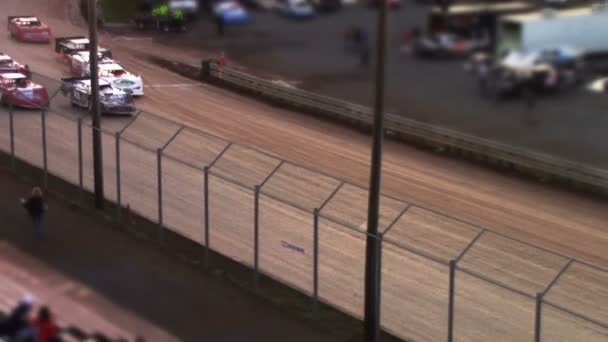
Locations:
(220, 24)
(17, 321)
(35, 206)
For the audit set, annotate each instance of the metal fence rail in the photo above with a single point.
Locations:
(429, 134)
(442, 278)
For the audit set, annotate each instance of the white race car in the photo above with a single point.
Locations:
(110, 71)
(119, 78)
(112, 100)
(79, 62)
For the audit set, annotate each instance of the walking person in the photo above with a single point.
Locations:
(36, 207)
(364, 55)
(364, 48)
(220, 24)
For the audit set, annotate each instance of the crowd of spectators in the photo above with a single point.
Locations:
(20, 325)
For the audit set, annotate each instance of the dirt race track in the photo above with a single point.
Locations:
(414, 289)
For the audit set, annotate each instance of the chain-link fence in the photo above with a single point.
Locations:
(442, 278)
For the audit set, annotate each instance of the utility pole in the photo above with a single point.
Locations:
(373, 249)
(94, 106)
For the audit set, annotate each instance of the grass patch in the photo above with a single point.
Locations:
(118, 10)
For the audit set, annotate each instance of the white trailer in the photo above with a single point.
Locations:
(585, 29)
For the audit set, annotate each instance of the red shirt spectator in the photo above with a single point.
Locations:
(45, 326)
(222, 60)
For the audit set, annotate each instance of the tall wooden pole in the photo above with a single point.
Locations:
(373, 267)
(94, 107)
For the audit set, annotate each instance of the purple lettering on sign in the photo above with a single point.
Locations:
(292, 247)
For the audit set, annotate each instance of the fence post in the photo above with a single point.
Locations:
(44, 156)
(118, 191)
(159, 153)
(538, 317)
(12, 132)
(80, 172)
(206, 206)
(379, 241)
(315, 265)
(451, 301)
(256, 239)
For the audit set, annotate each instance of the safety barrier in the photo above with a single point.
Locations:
(539, 164)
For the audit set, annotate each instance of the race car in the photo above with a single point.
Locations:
(231, 12)
(8, 65)
(17, 90)
(68, 45)
(119, 78)
(112, 101)
(79, 62)
(29, 29)
(109, 70)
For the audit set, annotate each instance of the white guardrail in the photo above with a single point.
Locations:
(539, 164)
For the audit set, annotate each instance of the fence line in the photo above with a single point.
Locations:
(321, 247)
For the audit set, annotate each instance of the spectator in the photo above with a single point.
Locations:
(35, 206)
(17, 321)
(357, 36)
(364, 57)
(222, 60)
(219, 22)
(348, 39)
(45, 327)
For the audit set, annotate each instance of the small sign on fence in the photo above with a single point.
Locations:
(293, 247)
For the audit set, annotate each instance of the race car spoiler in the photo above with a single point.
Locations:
(103, 51)
(60, 40)
(11, 17)
(74, 79)
(68, 83)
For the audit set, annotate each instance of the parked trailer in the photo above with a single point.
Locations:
(584, 29)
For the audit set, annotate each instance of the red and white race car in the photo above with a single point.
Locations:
(8, 65)
(67, 46)
(79, 62)
(17, 90)
(28, 29)
(109, 69)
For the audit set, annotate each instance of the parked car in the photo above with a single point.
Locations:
(112, 100)
(66, 46)
(296, 8)
(166, 22)
(543, 71)
(190, 7)
(327, 5)
(28, 29)
(392, 4)
(18, 90)
(8, 65)
(448, 45)
(231, 12)
(599, 86)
